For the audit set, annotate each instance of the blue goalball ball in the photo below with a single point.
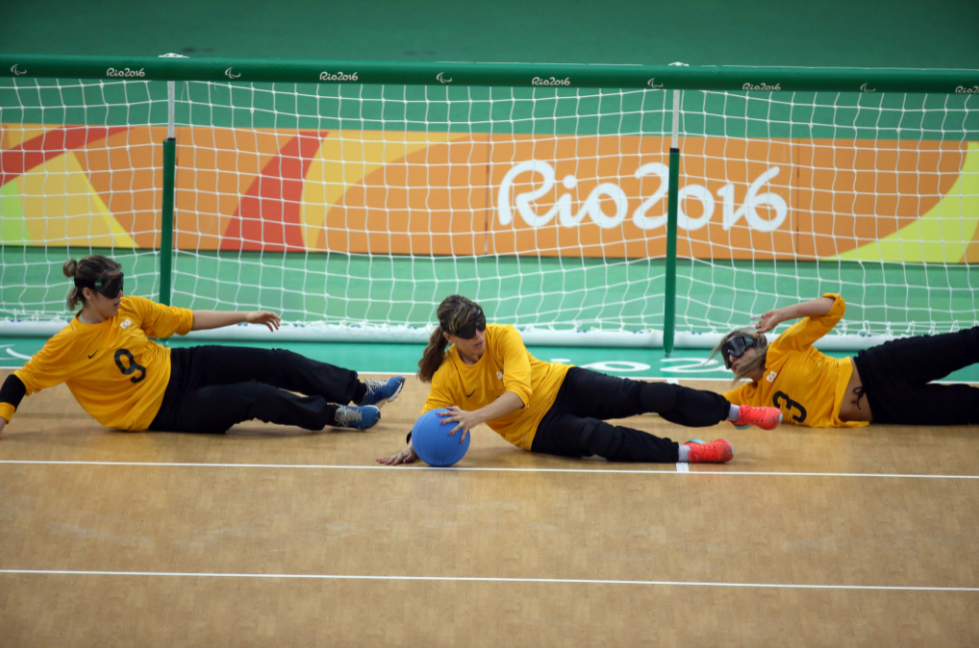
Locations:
(432, 442)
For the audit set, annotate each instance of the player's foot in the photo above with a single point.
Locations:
(767, 418)
(357, 417)
(717, 451)
(380, 392)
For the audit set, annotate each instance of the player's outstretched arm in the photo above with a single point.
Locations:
(207, 319)
(3, 424)
(814, 308)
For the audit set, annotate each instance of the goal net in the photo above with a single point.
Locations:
(358, 208)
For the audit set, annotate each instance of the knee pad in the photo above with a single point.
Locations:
(599, 438)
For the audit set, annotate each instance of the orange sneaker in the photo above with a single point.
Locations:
(767, 418)
(717, 451)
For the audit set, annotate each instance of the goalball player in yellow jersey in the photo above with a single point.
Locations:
(488, 376)
(889, 383)
(129, 382)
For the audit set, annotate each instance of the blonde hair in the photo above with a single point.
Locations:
(89, 268)
(750, 365)
(455, 311)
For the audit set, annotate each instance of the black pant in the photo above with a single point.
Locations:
(212, 388)
(895, 377)
(575, 425)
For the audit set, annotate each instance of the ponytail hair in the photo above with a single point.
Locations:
(433, 355)
(90, 268)
(454, 312)
(749, 366)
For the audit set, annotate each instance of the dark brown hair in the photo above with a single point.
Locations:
(748, 366)
(455, 311)
(89, 268)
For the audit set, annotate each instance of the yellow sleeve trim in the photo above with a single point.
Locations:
(838, 307)
(188, 321)
(7, 411)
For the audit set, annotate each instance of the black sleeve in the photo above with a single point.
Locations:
(13, 391)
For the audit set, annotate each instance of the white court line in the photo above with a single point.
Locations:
(479, 579)
(606, 471)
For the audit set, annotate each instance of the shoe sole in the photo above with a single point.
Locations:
(745, 427)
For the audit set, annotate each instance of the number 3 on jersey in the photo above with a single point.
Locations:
(133, 365)
(782, 399)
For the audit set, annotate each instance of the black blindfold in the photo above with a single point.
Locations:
(736, 347)
(108, 286)
(477, 322)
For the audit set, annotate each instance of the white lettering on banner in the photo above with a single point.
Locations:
(639, 217)
(339, 76)
(537, 81)
(125, 72)
(958, 90)
(16, 71)
(749, 209)
(592, 206)
(761, 86)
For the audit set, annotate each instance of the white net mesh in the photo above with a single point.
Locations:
(366, 205)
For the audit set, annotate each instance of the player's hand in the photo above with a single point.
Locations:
(3, 424)
(769, 320)
(404, 457)
(270, 320)
(465, 421)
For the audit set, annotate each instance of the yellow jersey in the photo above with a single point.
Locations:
(806, 385)
(117, 374)
(506, 365)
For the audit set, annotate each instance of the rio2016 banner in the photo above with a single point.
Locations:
(471, 194)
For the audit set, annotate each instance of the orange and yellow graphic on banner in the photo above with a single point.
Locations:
(470, 194)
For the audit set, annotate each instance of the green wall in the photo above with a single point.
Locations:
(848, 33)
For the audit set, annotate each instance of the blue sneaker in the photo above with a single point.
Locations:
(380, 392)
(359, 418)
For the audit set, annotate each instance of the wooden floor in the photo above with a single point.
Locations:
(266, 537)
